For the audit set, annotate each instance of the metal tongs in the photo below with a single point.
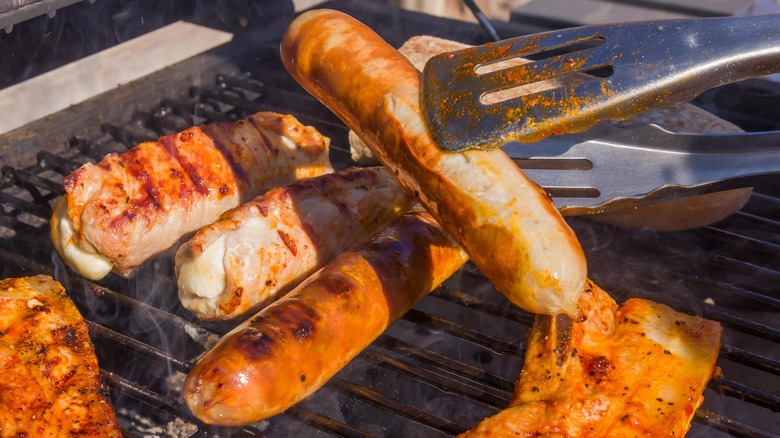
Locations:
(609, 168)
(606, 72)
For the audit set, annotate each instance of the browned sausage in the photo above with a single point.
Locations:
(505, 222)
(291, 348)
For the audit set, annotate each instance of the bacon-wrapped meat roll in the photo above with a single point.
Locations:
(129, 207)
(267, 246)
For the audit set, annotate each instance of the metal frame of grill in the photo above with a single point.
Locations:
(450, 361)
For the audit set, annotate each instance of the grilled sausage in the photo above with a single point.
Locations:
(504, 221)
(118, 213)
(292, 347)
(266, 246)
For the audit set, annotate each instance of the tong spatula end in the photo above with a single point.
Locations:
(486, 96)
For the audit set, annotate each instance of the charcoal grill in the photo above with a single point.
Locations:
(453, 359)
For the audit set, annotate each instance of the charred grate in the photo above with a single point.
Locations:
(448, 363)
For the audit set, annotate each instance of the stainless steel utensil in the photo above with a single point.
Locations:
(608, 168)
(609, 72)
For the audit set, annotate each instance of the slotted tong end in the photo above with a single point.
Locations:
(611, 168)
(486, 96)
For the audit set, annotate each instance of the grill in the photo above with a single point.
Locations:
(453, 359)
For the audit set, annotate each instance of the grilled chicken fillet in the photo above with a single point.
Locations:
(118, 213)
(49, 380)
(267, 246)
(633, 370)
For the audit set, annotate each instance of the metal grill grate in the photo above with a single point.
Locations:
(449, 362)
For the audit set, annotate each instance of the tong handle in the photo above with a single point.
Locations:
(709, 52)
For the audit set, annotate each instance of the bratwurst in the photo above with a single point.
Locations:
(292, 347)
(129, 207)
(503, 220)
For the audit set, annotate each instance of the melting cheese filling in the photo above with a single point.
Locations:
(203, 279)
(88, 263)
(204, 276)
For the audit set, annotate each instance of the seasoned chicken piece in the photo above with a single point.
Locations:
(49, 380)
(129, 207)
(615, 371)
(268, 245)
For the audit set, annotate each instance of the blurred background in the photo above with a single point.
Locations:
(582, 11)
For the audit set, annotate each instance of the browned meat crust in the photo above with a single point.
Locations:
(49, 380)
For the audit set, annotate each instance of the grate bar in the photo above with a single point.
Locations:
(137, 346)
(745, 267)
(97, 148)
(751, 243)
(756, 221)
(57, 162)
(18, 227)
(442, 362)
(662, 243)
(475, 337)
(323, 423)
(407, 411)
(198, 332)
(730, 425)
(147, 396)
(745, 393)
(743, 324)
(29, 178)
(750, 359)
(699, 284)
(25, 206)
(510, 312)
(477, 393)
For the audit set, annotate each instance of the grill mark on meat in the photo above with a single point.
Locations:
(188, 168)
(68, 336)
(70, 182)
(257, 320)
(137, 169)
(289, 242)
(254, 344)
(563, 325)
(295, 317)
(238, 170)
(266, 141)
(304, 329)
(336, 285)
